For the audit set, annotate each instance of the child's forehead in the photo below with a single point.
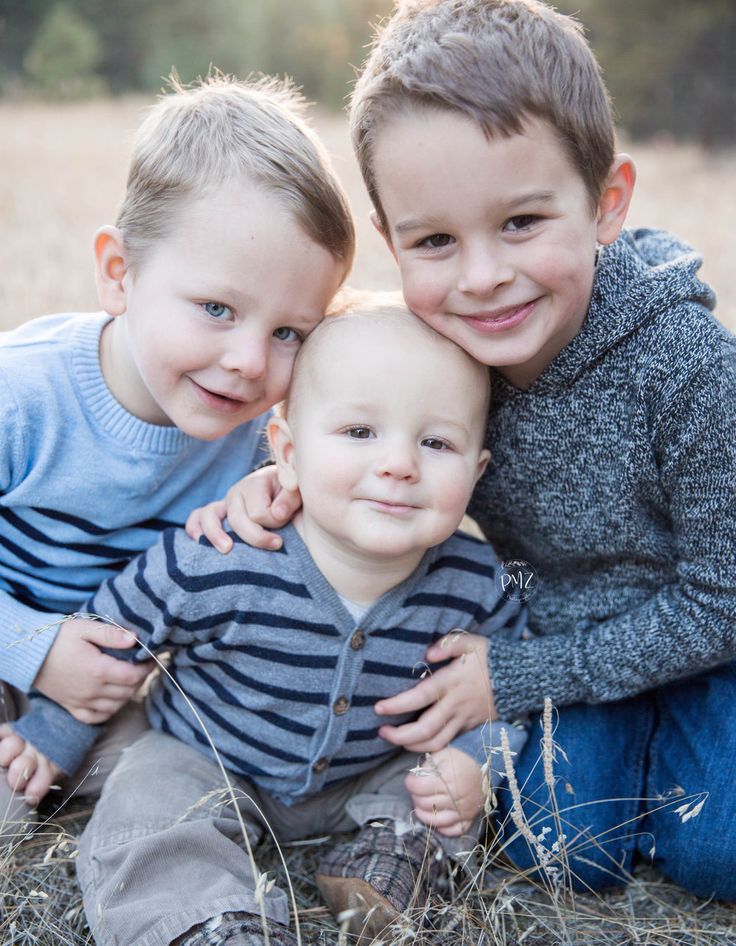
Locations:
(428, 159)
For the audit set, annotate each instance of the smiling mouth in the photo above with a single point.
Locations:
(223, 403)
(500, 320)
(394, 509)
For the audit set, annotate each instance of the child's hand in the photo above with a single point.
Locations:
(447, 791)
(89, 684)
(254, 504)
(459, 696)
(27, 770)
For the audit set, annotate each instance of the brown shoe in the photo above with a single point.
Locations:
(378, 875)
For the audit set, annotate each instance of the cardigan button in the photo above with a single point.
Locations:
(357, 641)
(341, 706)
(320, 765)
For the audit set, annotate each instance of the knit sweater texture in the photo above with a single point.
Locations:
(614, 476)
(84, 485)
(272, 662)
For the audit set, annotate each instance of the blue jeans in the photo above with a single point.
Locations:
(614, 793)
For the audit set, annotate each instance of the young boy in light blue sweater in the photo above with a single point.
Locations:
(232, 238)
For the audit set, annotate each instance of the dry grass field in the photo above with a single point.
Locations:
(63, 172)
(62, 175)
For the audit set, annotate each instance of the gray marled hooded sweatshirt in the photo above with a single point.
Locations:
(614, 475)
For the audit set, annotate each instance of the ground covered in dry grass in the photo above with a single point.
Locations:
(40, 905)
(482, 901)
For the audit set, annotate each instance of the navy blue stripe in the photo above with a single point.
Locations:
(315, 699)
(367, 699)
(487, 570)
(403, 634)
(130, 617)
(279, 656)
(225, 577)
(99, 551)
(387, 670)
(361, 735)
(226, 697)
(22, 554)
(213, 619)
(84, 525)
(431, 600)
(247, 768)
(19, 592)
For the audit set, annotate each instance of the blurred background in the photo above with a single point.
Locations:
(75, 76)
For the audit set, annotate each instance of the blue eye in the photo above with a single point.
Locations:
(216, 309)
(286, 334)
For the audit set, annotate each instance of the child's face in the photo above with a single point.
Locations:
(495, 238)
(386, 433)
(215, 313)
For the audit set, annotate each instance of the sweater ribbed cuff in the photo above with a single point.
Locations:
(56, 733)
(524, 673)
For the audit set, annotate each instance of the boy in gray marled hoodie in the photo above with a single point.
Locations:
(485, 137)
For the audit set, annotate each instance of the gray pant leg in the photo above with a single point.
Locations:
(164, 848)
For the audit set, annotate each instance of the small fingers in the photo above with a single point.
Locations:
(209, 525)
(22, 768)
(445, 820)
(41, 781)
(286, 503)
(430, 733)
(418, 697)
(457, 643)
(250, 531)
(11, 745)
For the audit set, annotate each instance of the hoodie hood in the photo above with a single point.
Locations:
(643, 273)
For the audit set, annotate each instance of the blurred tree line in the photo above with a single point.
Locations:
(669, 64)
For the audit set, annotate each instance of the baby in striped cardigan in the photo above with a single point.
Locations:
(266, 716)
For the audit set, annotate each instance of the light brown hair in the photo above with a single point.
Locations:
(196, 138)
(495, 61)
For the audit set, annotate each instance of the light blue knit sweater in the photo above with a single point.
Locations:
(84, 485)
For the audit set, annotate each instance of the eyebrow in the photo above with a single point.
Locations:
(428, 223)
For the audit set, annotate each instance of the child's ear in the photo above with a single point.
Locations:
(281, 443)
(615, 199)
(110, 270)
(376, 221)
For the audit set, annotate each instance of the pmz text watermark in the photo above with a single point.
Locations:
(517, 580)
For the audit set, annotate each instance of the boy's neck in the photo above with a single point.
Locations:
(359, 576)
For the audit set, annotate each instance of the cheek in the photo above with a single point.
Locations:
(453, 492)
(424, 290)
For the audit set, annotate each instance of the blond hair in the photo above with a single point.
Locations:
(495, 61)
(219, 129)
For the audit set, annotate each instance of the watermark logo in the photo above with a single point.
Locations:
(517, 580)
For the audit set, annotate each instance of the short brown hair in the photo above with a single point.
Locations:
(496, 61)
(198, 137)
